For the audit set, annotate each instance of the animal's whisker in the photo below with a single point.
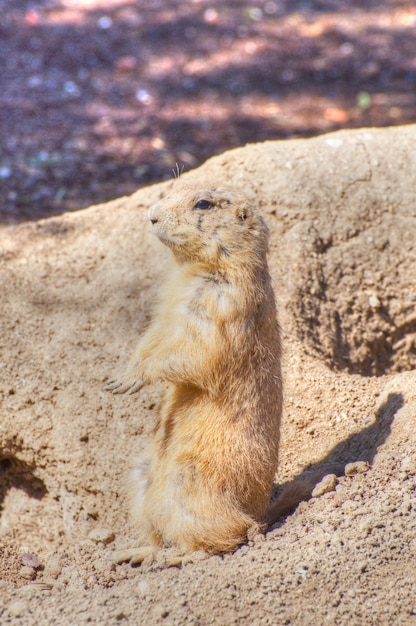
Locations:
(177, 170)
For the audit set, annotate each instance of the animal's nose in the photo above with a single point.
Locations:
(153, 214)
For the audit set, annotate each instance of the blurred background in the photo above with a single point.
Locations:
(100, 97)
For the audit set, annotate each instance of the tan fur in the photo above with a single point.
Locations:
(205, 480)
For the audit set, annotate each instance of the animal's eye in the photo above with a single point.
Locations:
(203, 204)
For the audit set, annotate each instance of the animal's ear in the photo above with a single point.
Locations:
(245, 216)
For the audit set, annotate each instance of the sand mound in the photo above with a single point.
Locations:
(77, 291)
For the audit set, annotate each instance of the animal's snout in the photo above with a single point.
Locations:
(154, 220)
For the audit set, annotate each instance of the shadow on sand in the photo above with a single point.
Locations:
(362, 446)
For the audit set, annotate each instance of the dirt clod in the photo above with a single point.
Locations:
(327, 484)
(358, 467)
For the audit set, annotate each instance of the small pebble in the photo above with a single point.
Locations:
(29, 560)
(374, 301)
(27, 572)
(101, 535)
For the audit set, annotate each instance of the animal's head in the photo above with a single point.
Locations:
(210, 224)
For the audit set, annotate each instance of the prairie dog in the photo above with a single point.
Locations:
(204, 482)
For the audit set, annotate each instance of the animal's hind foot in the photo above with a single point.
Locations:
(156, 558)
(134, 556)
(126, 384)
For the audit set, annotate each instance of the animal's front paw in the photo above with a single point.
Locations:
(129, 384)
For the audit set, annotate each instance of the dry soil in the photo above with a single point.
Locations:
(77, 291)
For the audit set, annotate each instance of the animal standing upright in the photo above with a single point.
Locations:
(204, 481)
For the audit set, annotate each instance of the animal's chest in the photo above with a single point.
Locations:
(209, 299)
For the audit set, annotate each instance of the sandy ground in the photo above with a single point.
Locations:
(77, 291)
